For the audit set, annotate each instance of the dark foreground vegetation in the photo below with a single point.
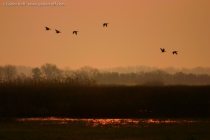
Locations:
(103, 101)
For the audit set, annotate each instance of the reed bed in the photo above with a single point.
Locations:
(103, 101)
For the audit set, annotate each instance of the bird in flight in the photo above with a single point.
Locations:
(162, 50)
(175, 52)
(75, 32)
(57, 31)
(105, 24)
(47, 28)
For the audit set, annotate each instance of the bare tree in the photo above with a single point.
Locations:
(21, 77)
(1, 72)
(87, 72)
(10, 72)
(68, 73)
(50, 71)
(36, 73)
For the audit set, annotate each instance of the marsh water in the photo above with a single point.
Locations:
(112, 122)
(106, 129)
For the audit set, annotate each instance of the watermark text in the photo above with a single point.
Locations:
(41, 4)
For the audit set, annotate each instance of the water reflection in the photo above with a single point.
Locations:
(113, 122)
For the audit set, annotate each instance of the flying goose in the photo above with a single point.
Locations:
(162, 50)
(75, 32)
(105, 24)
(175, 52)
(47, 28)
(57, 31)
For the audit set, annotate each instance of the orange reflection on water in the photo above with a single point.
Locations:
(112, 122)
(115, 122)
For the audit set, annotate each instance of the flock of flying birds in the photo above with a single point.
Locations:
(105, 25)
(163, 50)
(74, 32)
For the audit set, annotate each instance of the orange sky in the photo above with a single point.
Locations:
(137, 30)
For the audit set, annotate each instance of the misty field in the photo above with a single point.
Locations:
(104, 101)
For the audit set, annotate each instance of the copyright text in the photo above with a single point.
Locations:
(41, 4)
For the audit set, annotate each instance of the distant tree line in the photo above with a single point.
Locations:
(46, 74)
(87, 75)
(136, 69)
(156, 77)
(170, 70)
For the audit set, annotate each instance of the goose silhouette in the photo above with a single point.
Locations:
(47, 28)
(57, 31)
(175, 52)
(162, 50)
(75, 32)
(105, 24)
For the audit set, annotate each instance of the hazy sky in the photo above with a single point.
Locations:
(136, 31)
